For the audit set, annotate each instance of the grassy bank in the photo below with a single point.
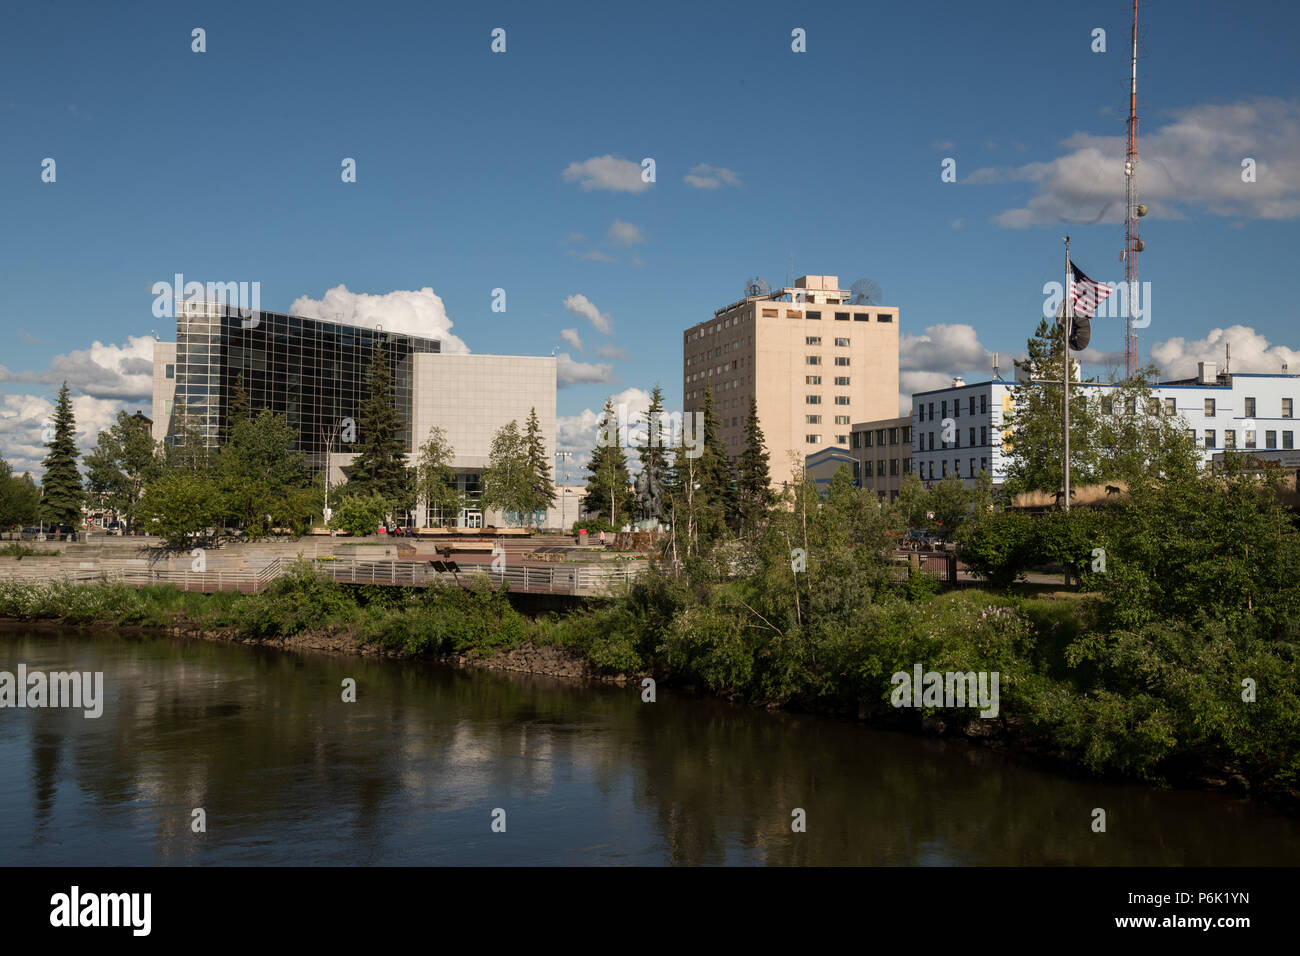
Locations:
(1162, 703)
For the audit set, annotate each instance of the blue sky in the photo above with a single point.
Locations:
(225, 166)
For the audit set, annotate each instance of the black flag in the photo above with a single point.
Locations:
(1080, 329)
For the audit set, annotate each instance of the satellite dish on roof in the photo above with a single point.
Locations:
(756, 286)
(865, 292)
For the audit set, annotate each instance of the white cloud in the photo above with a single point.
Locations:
(577, 433)
(569, 371)
(1251, 352)
(104, 371)
(610, 351)
(22, 418)
(607, 172)
(705, 176)
(1193, 162)
(571, 336)
(625, 232)
(944, 350)
(409, 312)
(595, 255)
(584, 308)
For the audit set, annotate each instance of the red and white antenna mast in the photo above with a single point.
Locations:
(1132, 244)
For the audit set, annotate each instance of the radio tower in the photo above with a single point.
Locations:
(1132, 244)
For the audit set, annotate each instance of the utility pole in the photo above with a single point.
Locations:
(1065, 379)
(562, 462)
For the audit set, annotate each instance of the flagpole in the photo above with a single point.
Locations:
(1065, 389)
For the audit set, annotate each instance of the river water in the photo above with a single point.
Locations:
(412, 772)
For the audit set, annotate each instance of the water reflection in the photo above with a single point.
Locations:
(411, 772)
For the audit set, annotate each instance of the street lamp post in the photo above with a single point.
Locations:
(562, 458)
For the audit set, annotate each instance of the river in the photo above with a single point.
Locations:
(412, 772)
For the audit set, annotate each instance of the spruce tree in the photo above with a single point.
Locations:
(543, 488)
(380, 464)
(754, 481)
(717, 487)
(654, 452)
(61, 494)
(607, 483)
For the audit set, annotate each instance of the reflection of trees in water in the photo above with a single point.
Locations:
(262, 740)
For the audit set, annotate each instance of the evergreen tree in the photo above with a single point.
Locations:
(754, 480)
(608, 494)
(539, 467)
(61, 494)
(720, 497)
(380, 464)
(239, 409)
(654, 452)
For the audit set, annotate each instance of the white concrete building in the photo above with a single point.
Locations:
(1241, 410)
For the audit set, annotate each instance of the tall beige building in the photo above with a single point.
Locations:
(815, 362)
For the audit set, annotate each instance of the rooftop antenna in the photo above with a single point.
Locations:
(756, 286)
(1133, 211)
(1227, 356)
(996, 357)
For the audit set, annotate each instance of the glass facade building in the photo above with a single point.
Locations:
(312, 371)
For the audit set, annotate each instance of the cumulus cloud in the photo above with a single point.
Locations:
(1192, 163)
(577, 433)
(705, 176)
(571, 336)
(569, 371)
(607, 172)
(945, 350)
(625, 232)
(610, 352)
(1251, 352)
(103, 370)
(23, 417)
(584, 308)
(409, 312)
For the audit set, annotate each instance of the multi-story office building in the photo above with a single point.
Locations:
(316, 373)
(882, 455)
(1239, 411)
(815, 362)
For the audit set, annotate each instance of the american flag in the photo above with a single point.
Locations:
(1085, 294)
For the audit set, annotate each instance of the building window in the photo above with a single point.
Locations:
(1209, 408)
(984, 434)
(841, 360)
(893, 467)
(884, 317)
(893, 436)
(1287, 439)
(932, 411)
(814, 315)
(812, 419)
(170, 372)
(972, 437)
(1107, 403)
(866, 439)
(1270, 439)
(812, 340)
(972, 404)
(1170, 407)
(1230, 438)
(920, 413)
(956, 408)
(841, 316)
(841, 380)
(907, 466)
(907, 435)
(841, 439)
(813, 359)
(1286, 408)
(857, 473)
(972, 467)
(931, 441)
(169, 404)
(984, 464)
(773, 313)
(841, 400)
(984, 404)
(842, 343)
(945, 461)
(842, 420)
(812, 399)
(812, 380)
(1209, 438)
(1250, 438)
(931, 470)
(857, 440)
(1250, 408)
(869, 466)
(813, 439)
